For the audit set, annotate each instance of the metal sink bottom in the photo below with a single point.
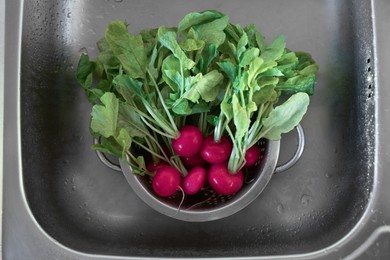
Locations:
(60, 202)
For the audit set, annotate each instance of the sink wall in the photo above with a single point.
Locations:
(85, 207)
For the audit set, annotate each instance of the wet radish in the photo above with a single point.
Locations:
(192, 161)
(152, 167)
(194, 181)
(252, 155)
(189, 141)
(166, 181)
(214, 152)
(222, 181)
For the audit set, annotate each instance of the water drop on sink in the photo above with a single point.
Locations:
(69, 15)
(73, 187)
(305, 199)
(280, 208)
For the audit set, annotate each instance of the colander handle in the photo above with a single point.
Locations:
(105, 160)
(298, 152)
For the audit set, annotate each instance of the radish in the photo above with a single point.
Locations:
(194, 181)
(222, 181)
(189, 141)
(166, 181)
(152, 167)
(252, 155)
(192, 161)
(214, 152)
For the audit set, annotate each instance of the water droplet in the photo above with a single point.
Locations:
(73, 187)
(69, 15)
(118, 1)
(280, 208)
(305, 199)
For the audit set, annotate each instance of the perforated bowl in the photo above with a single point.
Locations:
(207, 205)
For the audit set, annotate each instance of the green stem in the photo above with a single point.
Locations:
(182, 80)
(155, 129)
(163, 104)
(133, 166)
(150, 151)
(161, 122)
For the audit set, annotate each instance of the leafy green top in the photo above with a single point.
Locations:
(207, 71)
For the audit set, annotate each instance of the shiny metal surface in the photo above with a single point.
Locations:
(61, 203)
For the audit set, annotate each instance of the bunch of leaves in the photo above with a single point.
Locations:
(143, 87)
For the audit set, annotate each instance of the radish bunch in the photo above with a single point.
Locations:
(206, 161)
(187, 105)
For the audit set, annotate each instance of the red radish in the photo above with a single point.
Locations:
(222, 181)
(192, 161)
(152, 167)
(214, 152)
(194, 181)
(166, 181)
(252, 155)
(189, 141)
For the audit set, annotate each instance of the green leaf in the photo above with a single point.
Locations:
(286, 116)
(298, 83)
(229, 68)
(108, 145)
(240, 119)
(272, 72)
(195, 18)
(207, 87)
(287, 61)
(201, 107)
(258, 66)
(266, 80)
(174, 79)
(168, 40)
(108, 59)
(140, 162)
(103, 85)
(124, 140)
(264, 95)
(248, 56)
(274, 50)
(227, 109)
(254, 67)
(311, 69)
(84, 71)
(209, 53)
(192, 45)
(241, 46)
(130, 120)
(255, 39)
(104, 117)
(127, 82)
(212, 32)
(129, 49)
(181, 107)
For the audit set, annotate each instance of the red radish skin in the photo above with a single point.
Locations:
(222, 181)
(189, 141)
(193, 161)
(194, 181)
(166, 181)
(152, 167)
(214, 152)
(252, 155)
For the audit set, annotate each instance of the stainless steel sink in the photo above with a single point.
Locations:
(60, 202)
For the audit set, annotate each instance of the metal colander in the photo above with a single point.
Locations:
(207, 205)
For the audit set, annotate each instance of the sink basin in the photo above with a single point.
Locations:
(61, 202)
